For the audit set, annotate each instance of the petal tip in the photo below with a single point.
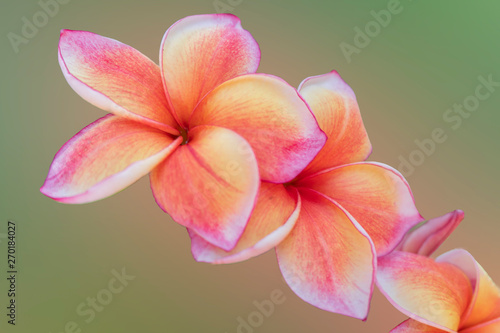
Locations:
(44, 191)
(66, 33)
(332, 80)
(49, 192)
(459, 213)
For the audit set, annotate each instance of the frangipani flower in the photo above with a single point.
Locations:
(332, 221)
(426, 238)
(201, 123)
(451, 294)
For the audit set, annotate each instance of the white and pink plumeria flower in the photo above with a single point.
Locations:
(332, 221)
(248, 163)
(202, 124)
(452, 293)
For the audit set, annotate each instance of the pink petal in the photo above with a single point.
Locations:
(271, 116)
(115, 77)
(413, 326)
(328, 259)
(376, 195)
(200, 52)
(272, 219)
(104, 158)
(435, 294)
(425, 239)
(485, 303)
(208, 185)
(334, 104)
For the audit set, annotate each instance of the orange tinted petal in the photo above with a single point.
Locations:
(492, 326)
(433, 293)
(327, 259)
(334, 104)
(115, 77)
(104, 158)
(272, 219)
(208, 185)
(200, 52)
(271, 116)
(376, 195)
(485, 303)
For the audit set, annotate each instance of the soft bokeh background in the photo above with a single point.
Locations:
(426, 59)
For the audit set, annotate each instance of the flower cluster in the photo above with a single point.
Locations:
(247, 163)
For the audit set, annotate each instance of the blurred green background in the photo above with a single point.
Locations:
(427, 58)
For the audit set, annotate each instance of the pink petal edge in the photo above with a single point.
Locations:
(427, 238)
(98, 98)
(264, 245)
(363, 313)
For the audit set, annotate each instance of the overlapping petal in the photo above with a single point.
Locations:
(485, 303)
(334, 104)
(272, 219)
(425, 239)
(413, 326)
(208, 185)
(271, 116)
(104, 158)
(328, 259)
(115, 77)
(376, 195)
(492, 326)
(436, 294)
(200, 52)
